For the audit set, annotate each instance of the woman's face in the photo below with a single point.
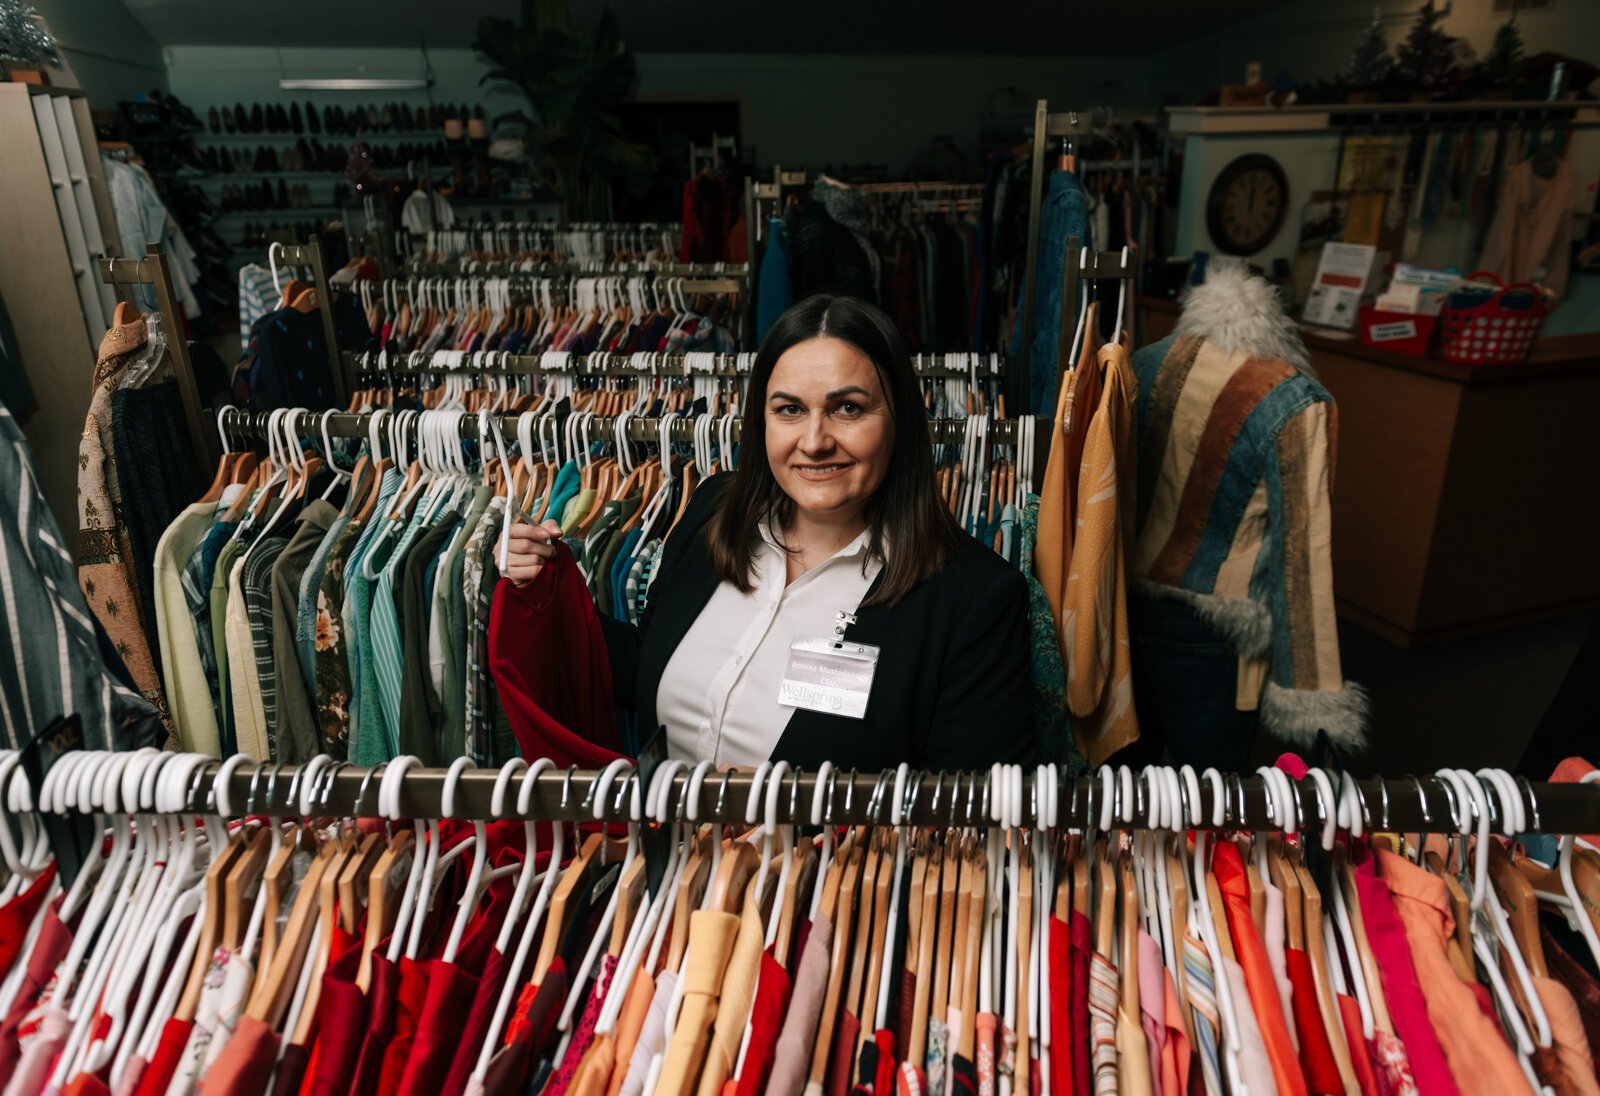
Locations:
(829, 431)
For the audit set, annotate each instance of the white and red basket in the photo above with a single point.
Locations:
(1499, 328)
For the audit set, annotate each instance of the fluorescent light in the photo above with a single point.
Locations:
(352, 83)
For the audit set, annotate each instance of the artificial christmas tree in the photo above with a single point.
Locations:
(1426, 61)
(1370, 64)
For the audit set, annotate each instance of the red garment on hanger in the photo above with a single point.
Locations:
(1228, 866)
(548, 655)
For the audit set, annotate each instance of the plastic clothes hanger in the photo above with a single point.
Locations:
(1203, 924)
(530, 928)
(1122, 297)
(602, 932)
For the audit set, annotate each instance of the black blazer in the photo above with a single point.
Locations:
(953, 688)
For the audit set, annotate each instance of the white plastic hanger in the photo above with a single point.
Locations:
(1201, 923)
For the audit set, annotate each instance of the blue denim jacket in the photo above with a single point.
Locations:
(1064, 212)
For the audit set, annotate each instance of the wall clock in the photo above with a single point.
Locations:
(1247, 204)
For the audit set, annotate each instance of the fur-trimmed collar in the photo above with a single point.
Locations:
(1240, 313)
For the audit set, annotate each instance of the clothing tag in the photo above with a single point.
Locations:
(829, 675)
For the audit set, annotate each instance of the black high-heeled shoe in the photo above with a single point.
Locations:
(313, 125)
(227, 120)
(295, 123)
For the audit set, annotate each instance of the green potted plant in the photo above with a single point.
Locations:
(573, 80)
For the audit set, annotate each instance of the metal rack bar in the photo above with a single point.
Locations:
(151, 269)
(1409, 804)
(601, 364)
(347, 424)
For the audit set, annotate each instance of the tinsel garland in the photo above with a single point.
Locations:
(24, 35)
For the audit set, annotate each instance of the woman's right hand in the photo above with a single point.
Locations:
(528, 549)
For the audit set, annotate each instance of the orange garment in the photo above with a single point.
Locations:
(1480, 1060)
(1228, 867)
(595, 1069)
(1175, 1056)
(630, 1021)
(1094, 610)
(1080, 393)
(1568, 1039)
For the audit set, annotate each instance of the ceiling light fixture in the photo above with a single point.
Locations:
(357, 83)
(351, 83)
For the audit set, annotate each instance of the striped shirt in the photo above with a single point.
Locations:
(1103, 1024)
(256, 583)
(1234, 463)
(53, 667)
(385, 643)
(367, 745)
(1203, 1006)
(257, 294)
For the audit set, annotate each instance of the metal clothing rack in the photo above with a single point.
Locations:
(1406, 805)
(599, 364)
(715, 278)
(151, 269)
(1078, 267)
(310, 255)
(1045, 126)
(356, 424)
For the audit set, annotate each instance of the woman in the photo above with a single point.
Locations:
(821, 603)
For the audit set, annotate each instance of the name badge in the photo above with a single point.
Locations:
(829, 675)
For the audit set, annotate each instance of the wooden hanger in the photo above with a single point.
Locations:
(1521, 906)
(925, 896)
(276, 884)
(576, 874)
(344, 847)
(354, 880)
(247, 869)
(691, 886)
(802, 881)
(384, 883)
(272, 993)
(1284, 878)
(880, 937)
(979, 881)
(1128, 975)
(1460, 947)
(1105, 910)
(210, 929)
(950, 890)
(630, 888)
(871, 866)
(1219, 917)
(740, 862)
(838, 961)
(1322, 980)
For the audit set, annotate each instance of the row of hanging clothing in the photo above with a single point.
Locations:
(531, 314)
(1161, 932)
(339, 595)
(914, 249)
(610, 243)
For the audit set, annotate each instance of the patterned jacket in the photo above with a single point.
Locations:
(1236, 450)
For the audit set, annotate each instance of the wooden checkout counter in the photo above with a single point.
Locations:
(1466, 499)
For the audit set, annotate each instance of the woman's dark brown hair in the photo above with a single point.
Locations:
(911, 531)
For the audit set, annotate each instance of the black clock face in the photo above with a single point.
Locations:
(1247, 204)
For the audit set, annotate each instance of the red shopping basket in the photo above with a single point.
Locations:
(1497, 328)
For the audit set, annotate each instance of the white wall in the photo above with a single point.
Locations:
(801, 109)
(107, 51)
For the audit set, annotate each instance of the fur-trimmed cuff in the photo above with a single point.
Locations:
(1243, 621)
(1298, 714)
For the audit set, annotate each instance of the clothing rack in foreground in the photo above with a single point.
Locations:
(1408, 804)
(151, 269)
